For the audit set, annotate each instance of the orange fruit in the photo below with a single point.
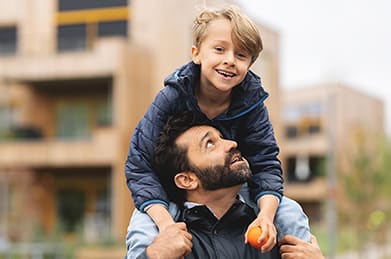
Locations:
(252, 237)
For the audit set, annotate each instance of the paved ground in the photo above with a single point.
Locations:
(372, 252)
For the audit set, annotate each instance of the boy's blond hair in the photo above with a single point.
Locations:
(244, 32)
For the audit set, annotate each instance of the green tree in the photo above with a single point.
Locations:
(365, 206)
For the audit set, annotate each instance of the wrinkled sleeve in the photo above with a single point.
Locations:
(262, 152)
(143, 183)
(142, 231)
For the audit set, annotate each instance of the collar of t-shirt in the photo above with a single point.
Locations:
(190, 204)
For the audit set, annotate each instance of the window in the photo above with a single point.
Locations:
(104, 114)
(314, 129)
(80, 23)
(71, 37)
(8, 41)
(3, 202)
(5, 118)
(72, 121)
(67, 5)
(305, 168)
(115, 28)
(291, 132)
(70, 209)
(8, 117)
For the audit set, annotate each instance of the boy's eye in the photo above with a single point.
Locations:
(242, 55)
(219, 49)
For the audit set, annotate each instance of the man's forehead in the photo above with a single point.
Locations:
(196, 134)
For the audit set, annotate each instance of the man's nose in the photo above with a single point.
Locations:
(230, 144)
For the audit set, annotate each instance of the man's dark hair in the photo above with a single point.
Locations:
(171, 159)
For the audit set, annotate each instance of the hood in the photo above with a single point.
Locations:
(245, 96)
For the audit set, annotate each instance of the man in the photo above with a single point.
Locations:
(202, 173)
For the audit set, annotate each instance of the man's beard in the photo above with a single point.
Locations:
(223, 176)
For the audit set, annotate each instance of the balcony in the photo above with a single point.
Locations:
(315, 190)
(100, 61)
(312, 144)
(100, 149)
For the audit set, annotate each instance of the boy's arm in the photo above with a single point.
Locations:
(259, 146)
(268, 206)
(143, 183)
(160, 216)
(262, 150)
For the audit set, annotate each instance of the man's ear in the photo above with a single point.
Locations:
(195, 55)
(186, 180)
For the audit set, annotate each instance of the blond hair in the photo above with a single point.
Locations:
(244, 32)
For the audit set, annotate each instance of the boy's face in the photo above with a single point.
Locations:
(223, 64)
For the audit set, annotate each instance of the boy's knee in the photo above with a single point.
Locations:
(291, 219)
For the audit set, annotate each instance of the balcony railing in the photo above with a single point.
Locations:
(100, 149)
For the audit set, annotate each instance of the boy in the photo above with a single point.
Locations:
(218, 84)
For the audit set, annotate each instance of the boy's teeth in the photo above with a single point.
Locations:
(226, 73)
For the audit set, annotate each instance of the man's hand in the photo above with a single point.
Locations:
(172, 242)
(293, 247)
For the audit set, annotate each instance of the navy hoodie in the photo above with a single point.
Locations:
(247, 122)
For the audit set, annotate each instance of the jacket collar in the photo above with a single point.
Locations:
(245, 96)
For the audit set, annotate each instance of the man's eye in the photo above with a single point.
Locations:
(209, 144)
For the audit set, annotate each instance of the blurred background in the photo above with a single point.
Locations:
(76, 76)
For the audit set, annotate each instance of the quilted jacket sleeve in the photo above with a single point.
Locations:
(262, 151)
(143, 183)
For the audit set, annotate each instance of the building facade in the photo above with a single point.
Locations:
(75, 78)
(320, 125)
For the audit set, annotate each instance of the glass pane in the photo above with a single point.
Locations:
(66, 5)
(70, 209)
(8, 116)
(71, 37)
(72, 121)
(8, 41)
(4, 118)
(116, 28)
(104, 114)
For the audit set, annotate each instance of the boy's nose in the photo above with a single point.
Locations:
(229, 58)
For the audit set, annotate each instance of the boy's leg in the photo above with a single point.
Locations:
(291, 219)
(142, 231)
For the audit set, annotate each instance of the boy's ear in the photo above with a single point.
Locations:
(186, 180)
(194, 55)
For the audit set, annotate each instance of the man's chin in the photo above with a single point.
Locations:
(241, 166)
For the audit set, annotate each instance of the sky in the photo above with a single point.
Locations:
(347, 41)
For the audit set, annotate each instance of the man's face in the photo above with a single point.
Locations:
(216, 161)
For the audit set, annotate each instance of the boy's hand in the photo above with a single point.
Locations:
(268, 206)
(268, 232)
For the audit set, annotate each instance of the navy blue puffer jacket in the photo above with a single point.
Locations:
(247, 122)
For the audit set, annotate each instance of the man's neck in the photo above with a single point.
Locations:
(219, 201)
